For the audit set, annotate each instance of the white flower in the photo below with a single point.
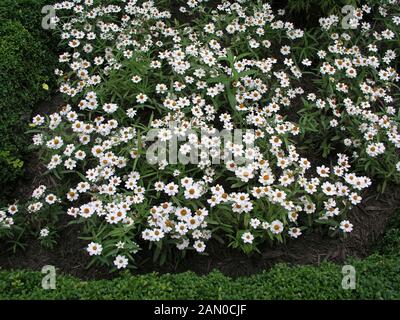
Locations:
(294, 232)
(94, 249)
(276, 227)
(38, 120)
(375, 149)
(328, 188)
(44, 232)
(171, 189)
(323, 171)
(247, 237)
(141, 98)
(13, 209)
(355, 198)
(265, 225)
(346, 226)
(51, 199)
(136, 79)
(121, 262)
(192, 192)
(110, 107)
(38, 192)
(86, 211)
(199, 246)
(55, 143)
(120, 245)
(254, 222)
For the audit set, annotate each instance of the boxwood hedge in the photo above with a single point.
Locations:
(26, 63)
(377, 277)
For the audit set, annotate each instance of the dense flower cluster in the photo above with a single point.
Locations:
(358, 72)
(128, 71)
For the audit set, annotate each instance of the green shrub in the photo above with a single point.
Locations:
(28, 13)
(377, 277)
(390, 244)
(24, 67)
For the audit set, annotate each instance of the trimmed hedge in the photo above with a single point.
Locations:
(378, 277)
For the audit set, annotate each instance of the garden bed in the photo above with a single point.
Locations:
(68, 256)
(320, 171)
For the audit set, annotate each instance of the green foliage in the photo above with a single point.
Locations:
(390, 244)
(28, 12)
(377, 277)
(325, 7)
(25, 65)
